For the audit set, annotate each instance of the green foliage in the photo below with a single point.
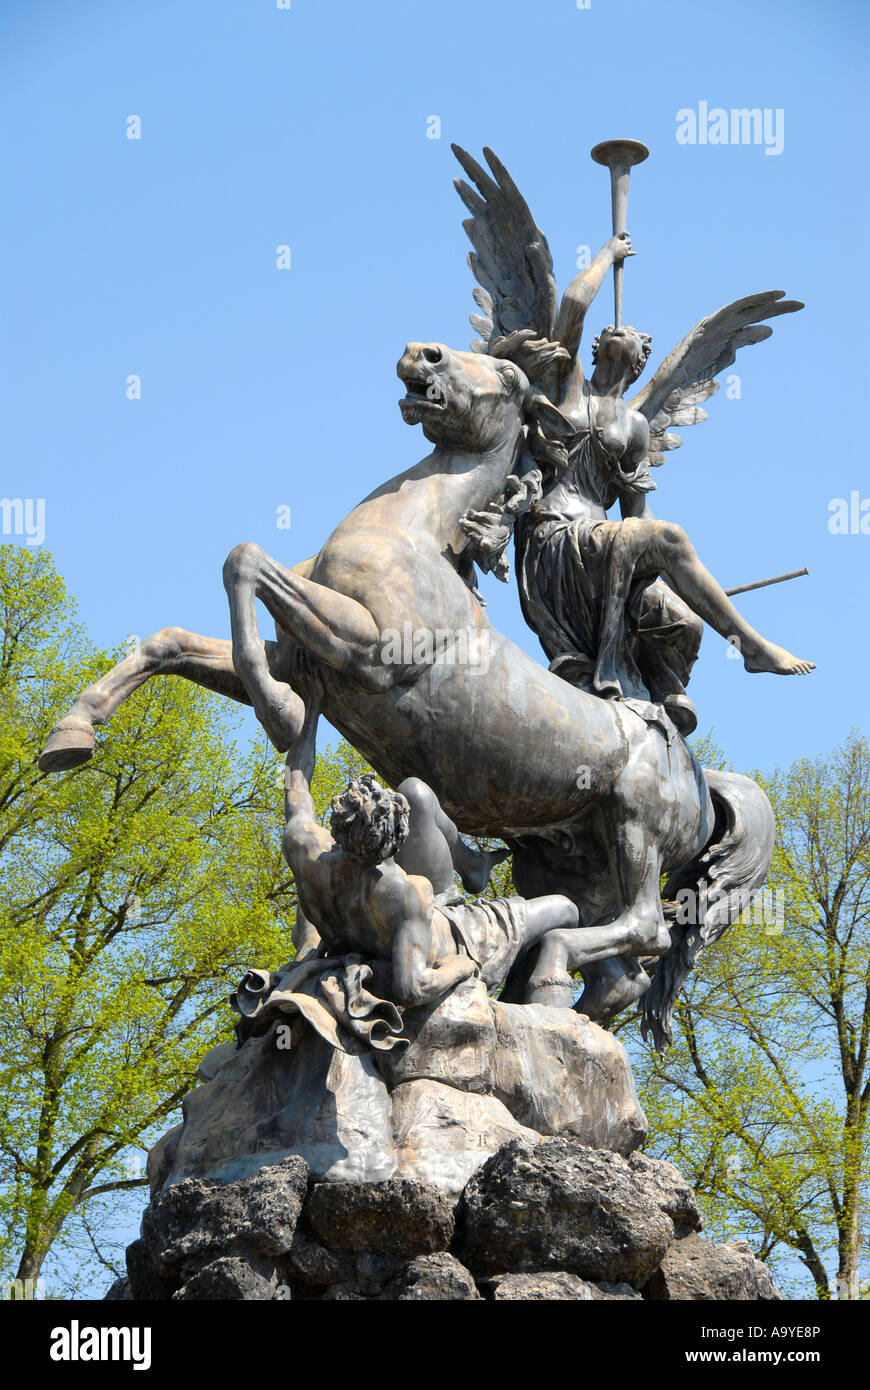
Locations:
(763, 1100)
(134, 892)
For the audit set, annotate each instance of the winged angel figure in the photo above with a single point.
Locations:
(618, 605)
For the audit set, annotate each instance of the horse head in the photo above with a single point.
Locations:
(476, 403)
(464, 400)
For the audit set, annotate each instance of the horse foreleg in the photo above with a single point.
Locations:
(208, 661)
(332, 627)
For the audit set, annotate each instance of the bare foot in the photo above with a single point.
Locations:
(475, 873)
(776, 659)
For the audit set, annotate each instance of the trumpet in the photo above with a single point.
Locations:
(619, 156)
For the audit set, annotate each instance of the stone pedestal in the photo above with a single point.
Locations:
(474, 1075)
(492, 1157)
(554, 1219)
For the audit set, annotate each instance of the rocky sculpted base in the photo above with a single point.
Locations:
(473, 1075)
(549, 1220)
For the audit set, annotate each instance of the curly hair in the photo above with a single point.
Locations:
(369, 822)
(645, 347)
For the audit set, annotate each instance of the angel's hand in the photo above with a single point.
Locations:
(620, 247)
(484, 529)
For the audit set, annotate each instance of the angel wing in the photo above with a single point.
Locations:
(511, 260)
(686, 377)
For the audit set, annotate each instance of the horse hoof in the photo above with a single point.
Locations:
(70, 744)
(601, 1005)
(684, 715)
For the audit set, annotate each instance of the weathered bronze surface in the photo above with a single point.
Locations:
(582, 768)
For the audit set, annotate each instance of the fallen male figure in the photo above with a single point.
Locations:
(381, 885)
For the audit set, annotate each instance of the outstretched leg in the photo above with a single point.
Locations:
(434, 847)
(677, 561)
(208, 661)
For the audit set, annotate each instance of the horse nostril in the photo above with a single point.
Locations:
(432, 354)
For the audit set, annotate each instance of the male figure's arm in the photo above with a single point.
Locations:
(307, 845)
(415, 980)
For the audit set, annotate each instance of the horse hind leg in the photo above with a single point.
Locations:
(207, 661)
(333, 628)
(608, 954)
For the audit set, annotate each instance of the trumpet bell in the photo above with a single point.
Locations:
(620, 152)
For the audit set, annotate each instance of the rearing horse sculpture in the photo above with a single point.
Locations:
(595, 800)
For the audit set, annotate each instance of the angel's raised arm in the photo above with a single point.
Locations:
(583, 289)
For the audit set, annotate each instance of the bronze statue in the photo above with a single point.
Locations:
(595, 797)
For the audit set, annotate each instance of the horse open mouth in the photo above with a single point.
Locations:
(423, 391)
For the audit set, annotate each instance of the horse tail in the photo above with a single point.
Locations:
(722, 882)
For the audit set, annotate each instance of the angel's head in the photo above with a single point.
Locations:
(621, 352)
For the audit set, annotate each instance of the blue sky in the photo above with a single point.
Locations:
(264, 387)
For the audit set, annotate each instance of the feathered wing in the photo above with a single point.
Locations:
(511, 260)
(687, 376)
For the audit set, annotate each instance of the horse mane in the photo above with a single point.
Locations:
(542, 455)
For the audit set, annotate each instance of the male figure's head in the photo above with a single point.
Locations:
(369, 823)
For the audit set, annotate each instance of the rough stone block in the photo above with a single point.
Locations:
(537, 1287)
(230, 1277)
(265, 1103)
(696, 1269)
(562, 1206)
(668, 1188)
(196, 1221)
(557, 1073)
(444, 1135)
(398, 1217)
(437, 1277)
